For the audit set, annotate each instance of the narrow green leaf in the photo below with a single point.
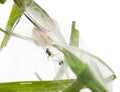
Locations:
(2, 1)
(12, 22)
(74, 38)
(35, 86)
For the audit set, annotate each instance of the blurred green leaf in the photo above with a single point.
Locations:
(35, 86)
(2, 1)
(12, 22)
(74, 38)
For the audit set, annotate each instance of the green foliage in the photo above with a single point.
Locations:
(34, 86)
(2, 1)
(12, 22)
(22, 3)
(74, 39)
(84, 74)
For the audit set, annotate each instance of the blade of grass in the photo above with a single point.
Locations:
(74, 38)
(34, 86)
(12, 22)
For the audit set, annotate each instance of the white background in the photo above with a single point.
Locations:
(97, 20)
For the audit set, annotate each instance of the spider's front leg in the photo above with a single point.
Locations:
(54, 55)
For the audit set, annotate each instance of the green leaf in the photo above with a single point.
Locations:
(85, 80)
(74, 38)
(35, 86)
(2, 1)
(12, 22)
(84, 74)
